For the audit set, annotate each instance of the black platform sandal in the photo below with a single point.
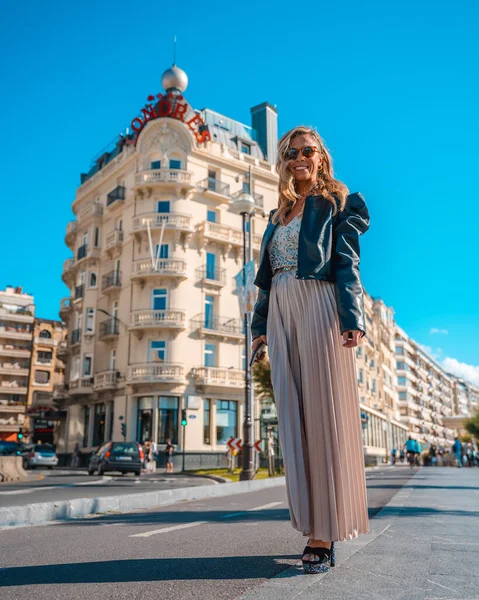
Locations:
(322, 565)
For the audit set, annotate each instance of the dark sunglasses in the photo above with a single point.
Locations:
(306, 151)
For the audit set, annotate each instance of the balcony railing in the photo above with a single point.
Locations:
(109, 329)
(65, 307)
(13, 369)
(62, 348)
(157, 319)
(60, 390)
(219, 377)
(82, 251)
(156, 373)
(15, 334)
(82, 385)
(79, 291)
(225, 234)
(159, 176)
(210, 184)
(118, 193)
(68, 268)
(93, 209)
(212, 275)
(111, 280)
(14, 351)
(106, 380)
(166, 267)
(223, 326)
(173, 220)
(70, 234)
(76, 336)
(114, 239)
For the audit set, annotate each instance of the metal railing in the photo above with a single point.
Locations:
(76, 336)
(111, 279)
(118, 193)
(79, 291)
(214, 185)
(109, 328)
(213, 274)
(82, 251)
(223, 325)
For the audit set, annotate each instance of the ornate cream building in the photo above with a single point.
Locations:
(150, 338)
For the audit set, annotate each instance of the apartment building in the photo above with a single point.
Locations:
(17, 311)
(149, 336)
(426, 393)
(46, 421)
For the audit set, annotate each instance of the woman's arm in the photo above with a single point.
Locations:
(352, 222)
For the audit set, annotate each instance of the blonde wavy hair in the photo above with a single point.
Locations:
(325, 185)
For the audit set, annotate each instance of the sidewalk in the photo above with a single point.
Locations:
(424, 545)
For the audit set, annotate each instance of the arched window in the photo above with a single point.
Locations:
(44, 333)
(93, 279)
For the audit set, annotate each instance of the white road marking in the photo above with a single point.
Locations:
(167, 529)
(443, 586)
(104, 479)
(195, 523)
(27, 490)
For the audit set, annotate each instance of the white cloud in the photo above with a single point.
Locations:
(468, 372)
(436, 330)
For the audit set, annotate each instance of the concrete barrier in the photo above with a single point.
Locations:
(11, 468)
(64, 510)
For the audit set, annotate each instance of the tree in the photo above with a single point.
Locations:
(472, 425)
(262, 379)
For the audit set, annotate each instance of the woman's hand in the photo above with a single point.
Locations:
(256, 342)
(350, 342)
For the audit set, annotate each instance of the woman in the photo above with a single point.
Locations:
(310, 296)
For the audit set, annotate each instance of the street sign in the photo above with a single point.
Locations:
(234, 444)
(258, 446)
(192, 417)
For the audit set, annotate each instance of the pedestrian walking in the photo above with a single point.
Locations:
(393, 456)
(411, 449)
(76, 454)
(401, 455)
(169, 448)
(310, 313)
(457, 448)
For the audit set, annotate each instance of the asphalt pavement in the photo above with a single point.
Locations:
(64, 484)
(215, 548)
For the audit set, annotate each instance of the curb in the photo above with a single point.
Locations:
(65, 510)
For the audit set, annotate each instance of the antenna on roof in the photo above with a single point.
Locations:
(174, 51)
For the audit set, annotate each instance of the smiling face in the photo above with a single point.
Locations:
(305, 169)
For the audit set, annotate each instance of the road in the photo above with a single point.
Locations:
(217, 548)
(47, 486)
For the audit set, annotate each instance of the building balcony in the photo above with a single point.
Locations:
(68, 270)
(79, 292)
(85, 252)
(60, 391)
(215, 190)
(65, 308)
(63, 349)
(44, 341)
(157, 319)
(12, 407)
(156, 373)
(75, 337)
(166, 267)
(174, 221)
(111, 282)
(109, 330)
(225, 328)
(82, 385)
(116, 197)
(228, 237)
(13, 369)
(177, 179)
(13, 351)
(210, 277)
(71, 234)
(13, 333)
(114, 242)
(215, 377)
(92, 211)
(12, 387)
(106, 380)
(17, 316)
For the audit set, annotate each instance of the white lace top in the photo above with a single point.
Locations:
(283, 247)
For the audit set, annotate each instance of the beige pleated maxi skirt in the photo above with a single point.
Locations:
(315, 388)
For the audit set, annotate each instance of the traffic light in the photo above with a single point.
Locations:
(123, 430)
(184, 422)
(20, 435)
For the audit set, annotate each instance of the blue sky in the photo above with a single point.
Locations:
(392, 87)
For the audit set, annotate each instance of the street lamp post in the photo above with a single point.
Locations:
(244, 205)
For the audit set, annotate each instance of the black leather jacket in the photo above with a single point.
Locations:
(328, 249)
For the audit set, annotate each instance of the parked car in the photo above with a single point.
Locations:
(126, 457)
(9, 448)
(40, 455)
